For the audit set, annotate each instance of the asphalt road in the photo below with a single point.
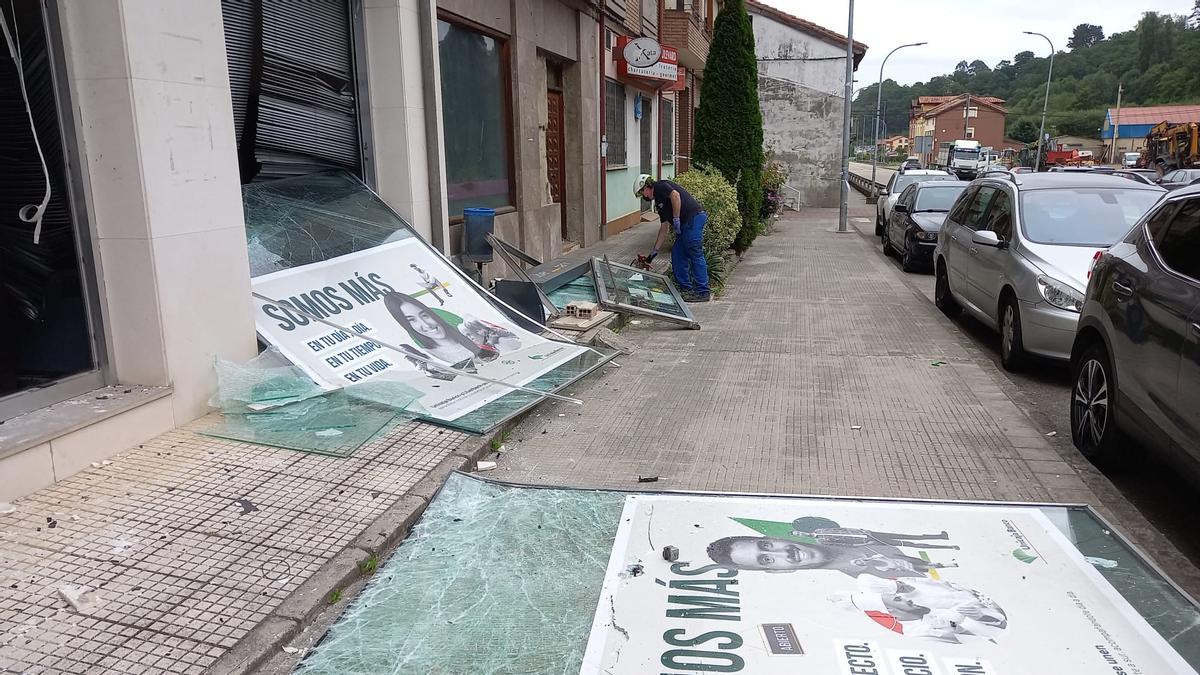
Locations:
(1148, 484)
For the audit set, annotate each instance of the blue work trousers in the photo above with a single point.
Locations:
(687, 257)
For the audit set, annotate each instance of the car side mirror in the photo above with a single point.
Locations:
(900, 208)
(987, 238)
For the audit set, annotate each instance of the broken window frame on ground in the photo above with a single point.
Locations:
(282, 217)
(513, 256)
(508, 576)
(602, 270)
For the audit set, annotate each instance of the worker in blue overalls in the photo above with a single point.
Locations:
(687, 218)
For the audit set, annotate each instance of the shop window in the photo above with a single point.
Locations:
(48, 351)
(475, 113)
(668, 130)
(614, 123)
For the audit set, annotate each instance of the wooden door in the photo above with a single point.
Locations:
(555, 153)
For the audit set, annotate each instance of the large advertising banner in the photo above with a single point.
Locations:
(402, 294)
(823, 587)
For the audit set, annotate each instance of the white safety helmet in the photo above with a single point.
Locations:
(643, 181)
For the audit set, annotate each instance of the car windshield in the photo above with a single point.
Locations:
(939, 198)
(966, 154)
(1189, 175)
(1082, 216)
(908, 179)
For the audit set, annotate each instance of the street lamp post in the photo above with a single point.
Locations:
(879, 105)
(1037, 161)
(844, 209)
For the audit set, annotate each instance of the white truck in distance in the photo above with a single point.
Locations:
(960, 158)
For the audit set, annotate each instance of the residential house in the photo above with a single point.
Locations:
(894, 144)
(801, 90)
(936, 120)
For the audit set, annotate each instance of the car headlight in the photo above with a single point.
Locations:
(1059, 294)
(926, 236)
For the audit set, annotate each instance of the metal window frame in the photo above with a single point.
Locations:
(623, 146)
(101, 374)
(362, 94)
(602, 266)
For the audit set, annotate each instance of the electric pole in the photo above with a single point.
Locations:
(844, 209)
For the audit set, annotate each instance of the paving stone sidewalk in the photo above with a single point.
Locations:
(818, 372)
(193, 541)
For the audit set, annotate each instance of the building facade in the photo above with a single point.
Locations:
(801, 90)
(149, 116)
(649, 113)
(936, 120)
(1130, 125)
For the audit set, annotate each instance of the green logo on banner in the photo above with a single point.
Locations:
(1024, 557)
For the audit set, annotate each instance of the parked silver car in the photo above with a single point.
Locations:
(1015, 250)
(891, 193)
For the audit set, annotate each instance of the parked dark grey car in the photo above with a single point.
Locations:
(912, 231)
(1136, 355)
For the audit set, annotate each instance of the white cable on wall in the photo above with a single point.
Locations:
(30, 213)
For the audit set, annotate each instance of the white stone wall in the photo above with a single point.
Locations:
(800, 89)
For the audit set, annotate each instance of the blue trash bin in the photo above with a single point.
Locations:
(477, 224)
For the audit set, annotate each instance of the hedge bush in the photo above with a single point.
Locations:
(719, 199)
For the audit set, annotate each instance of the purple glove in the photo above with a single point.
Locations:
(676, 225)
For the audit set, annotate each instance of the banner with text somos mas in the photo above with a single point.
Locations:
(821, 587)
(402, 294)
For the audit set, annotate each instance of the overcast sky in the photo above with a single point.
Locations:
(958, 30)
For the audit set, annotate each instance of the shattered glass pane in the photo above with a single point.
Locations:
(266, 381)
(303, 220)
(1160, 603)
(494, 579)
(488, 417)
(504, 579)
(333, 424)
(582, 289)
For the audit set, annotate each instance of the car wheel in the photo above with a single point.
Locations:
(887, 243)
(908, 262)
(1093, 402)
(942, 297)
(1012, 347)
(878, 225)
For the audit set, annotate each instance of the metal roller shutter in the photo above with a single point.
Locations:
(291, 71)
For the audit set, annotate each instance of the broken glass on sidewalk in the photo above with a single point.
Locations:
(500, 578)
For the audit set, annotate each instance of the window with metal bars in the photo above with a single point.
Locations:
(668, 130)
(614, 123)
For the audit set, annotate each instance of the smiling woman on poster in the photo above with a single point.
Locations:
(474, 341)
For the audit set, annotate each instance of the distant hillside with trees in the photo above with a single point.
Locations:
(1156, 62)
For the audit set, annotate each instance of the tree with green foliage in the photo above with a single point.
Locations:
(1155, 61)
(729, 135)
(1085, 35)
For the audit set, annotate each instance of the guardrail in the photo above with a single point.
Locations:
(865, 186)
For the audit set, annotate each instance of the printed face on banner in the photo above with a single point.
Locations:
(404, 295)
(820, 587)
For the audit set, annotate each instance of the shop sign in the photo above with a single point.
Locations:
(820, 587)
(635, 59)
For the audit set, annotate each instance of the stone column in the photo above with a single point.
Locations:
(151, 102)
